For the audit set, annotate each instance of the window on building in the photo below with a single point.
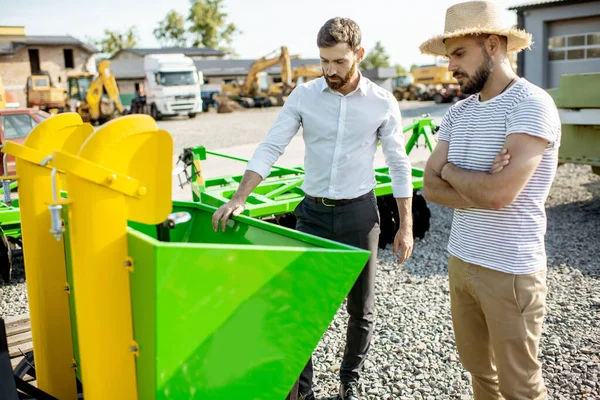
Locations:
(69, 62)
(574, 47)
(34, 60)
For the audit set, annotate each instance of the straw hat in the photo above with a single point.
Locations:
(476, 17)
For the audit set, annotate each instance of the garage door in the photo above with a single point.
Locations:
(573, 47)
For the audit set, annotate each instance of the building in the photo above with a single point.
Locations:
(22, 56)
(566, 35)
(195, 53)
(216, 71)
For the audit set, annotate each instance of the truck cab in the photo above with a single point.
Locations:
(172, 85)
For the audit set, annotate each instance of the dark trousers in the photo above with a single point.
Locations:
(355, 224)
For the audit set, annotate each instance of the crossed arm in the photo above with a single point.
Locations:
(451, 186)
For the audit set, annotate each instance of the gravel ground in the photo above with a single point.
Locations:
(413, 354)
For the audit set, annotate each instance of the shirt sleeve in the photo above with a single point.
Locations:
(392, 141)
(279, 136)
(538, 116)
(445, 131)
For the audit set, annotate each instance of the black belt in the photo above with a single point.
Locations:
(332, 202)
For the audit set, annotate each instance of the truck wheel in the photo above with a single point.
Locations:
(192, 115)
(438, 98)
(398, 95)
(154, 113)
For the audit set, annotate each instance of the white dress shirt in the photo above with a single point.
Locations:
(341, 134)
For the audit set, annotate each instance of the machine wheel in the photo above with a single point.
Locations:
(192, 115)
(154, 113)
(11, 257)
(438, 98)
(398, 95)
(389, 218)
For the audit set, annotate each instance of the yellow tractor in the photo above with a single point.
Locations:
(41, 93)
(95, 98)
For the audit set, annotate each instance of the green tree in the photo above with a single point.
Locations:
(113, 41)
(209, 26)
(375, 58)
(400, 69)
(171, 30)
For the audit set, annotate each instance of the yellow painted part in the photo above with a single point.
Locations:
(134, 148)
(98, 223)
(93, 97)
(44, 257)
(2, 95)
(200, 176)
(130, 145)
(99, 175)
(110, 84)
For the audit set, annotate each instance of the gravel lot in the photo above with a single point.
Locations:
(413, 354)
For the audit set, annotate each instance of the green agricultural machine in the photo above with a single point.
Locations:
(276, 197)
(133, 296)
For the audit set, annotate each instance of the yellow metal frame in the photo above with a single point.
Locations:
(45, 258)
(120, 174)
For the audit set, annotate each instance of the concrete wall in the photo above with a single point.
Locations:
(15, 69)
(537, 22)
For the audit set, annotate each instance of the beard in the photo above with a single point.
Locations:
(475, 84)
(339, 81)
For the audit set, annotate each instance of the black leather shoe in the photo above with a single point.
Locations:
(349, 391)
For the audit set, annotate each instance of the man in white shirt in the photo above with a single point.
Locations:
(494, 164)
(343, 116)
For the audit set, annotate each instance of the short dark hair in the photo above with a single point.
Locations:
(339, 30)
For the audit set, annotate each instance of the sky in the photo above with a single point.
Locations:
(266, 25)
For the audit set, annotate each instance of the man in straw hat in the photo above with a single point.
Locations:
(494, 164)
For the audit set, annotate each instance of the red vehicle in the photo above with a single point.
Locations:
(15, 125)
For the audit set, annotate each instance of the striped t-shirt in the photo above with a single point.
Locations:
(511, 239)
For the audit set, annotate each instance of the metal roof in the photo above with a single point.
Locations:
(134, 69)
(188, 51)
(9, 47)
(58, 40)
(548, 3)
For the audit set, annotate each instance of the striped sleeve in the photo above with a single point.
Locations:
(536, 116)
(446, 126)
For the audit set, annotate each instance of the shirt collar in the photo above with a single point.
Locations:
(362, 84)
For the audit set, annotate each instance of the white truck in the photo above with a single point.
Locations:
(171, 86)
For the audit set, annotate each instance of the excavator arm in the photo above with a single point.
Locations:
(264, 63)
(105, 80)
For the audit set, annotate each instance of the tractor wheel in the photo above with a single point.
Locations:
(438, 98)
(398, 95)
